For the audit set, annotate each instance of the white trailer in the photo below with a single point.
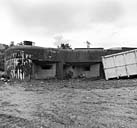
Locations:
(120, 64)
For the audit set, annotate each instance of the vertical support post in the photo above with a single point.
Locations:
(135, 56)
(59, 66)
(59, 70)
(126, 65)
(114, 59)
(104, 67)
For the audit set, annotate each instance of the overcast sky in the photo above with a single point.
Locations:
(104, 23)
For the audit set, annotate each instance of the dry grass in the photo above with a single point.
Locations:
(69, 104)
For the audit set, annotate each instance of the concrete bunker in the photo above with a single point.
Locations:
(32, 62)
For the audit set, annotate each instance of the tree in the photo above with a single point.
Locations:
(61, 43)
(12, 43)
(64, 46)
(88, 44)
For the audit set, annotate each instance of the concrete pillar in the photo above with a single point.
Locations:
(59, 70)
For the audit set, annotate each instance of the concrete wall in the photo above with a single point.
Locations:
(40, 73)
(93, 71)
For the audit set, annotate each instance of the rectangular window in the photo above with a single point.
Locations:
(47, 66)
(87, 68)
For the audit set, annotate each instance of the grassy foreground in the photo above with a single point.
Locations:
(69, 104)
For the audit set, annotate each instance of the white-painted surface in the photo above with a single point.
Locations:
(120, 64)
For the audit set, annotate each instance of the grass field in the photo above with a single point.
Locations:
(69, 104)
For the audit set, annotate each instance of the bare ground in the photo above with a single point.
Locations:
(69, 104)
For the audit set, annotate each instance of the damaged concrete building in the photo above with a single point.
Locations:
(32, 62)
